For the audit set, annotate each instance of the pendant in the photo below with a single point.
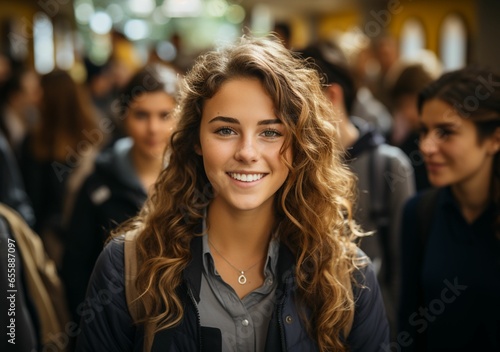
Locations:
(242, 279)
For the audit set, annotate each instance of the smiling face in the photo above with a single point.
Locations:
(149, 123)
(240, 142)
(452, 151)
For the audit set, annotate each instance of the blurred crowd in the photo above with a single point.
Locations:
(80, 157)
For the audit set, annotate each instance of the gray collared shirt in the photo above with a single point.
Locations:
(243, 322)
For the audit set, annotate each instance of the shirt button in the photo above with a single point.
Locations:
(244, 322)
(288, 319)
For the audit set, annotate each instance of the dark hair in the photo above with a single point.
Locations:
(474, 95)
(65, 117)
(410, 81)
(152, 78)
(331, 64)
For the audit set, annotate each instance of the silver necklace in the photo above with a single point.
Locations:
(242, 279)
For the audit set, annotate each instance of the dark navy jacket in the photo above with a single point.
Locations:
(106, 324)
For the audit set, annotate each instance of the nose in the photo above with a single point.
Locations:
(428, 144)
(154, 123)
(247, 151)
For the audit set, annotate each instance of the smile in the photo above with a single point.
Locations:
(246, 177)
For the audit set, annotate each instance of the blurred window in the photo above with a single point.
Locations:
(412, 38)
(43, 41)
(453, 43)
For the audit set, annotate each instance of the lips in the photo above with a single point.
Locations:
(245, 177)
(433, 166)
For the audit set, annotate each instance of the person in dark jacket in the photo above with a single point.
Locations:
(451, 237)
(384, 173)
(247, 243)
(122, 176)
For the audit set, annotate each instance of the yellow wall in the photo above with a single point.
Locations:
(432, 13)
(342, 21)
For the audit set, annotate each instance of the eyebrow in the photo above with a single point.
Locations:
(442, 125)
(236, 121)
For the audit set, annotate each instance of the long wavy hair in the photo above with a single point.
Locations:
(313, 206)
(473, 96)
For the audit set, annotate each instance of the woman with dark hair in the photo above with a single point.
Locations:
(49, 152)
(451, 236)
(123, 174)
(246, 243)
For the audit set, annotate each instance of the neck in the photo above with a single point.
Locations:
(473, 198)
(244, 232)
(349, 134)
(147, 169)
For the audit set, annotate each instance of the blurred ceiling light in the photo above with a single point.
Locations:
(166, 51)
(216, 8)
(101, 23)
(235, 14)
(43, 41)
(115, 12)
(142, 8)
(136, 29)
(83, 11)
(159, 17)
(262, 19)
(182, 8)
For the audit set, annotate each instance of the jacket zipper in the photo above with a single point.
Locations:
(198, 320)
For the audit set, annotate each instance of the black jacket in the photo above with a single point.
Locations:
(109, 196)
(106, 324)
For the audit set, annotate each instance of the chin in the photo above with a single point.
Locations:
(438, 182)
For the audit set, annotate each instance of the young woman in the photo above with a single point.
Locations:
(451, 270)
(123, 174)
(52, 150)
(246, 243)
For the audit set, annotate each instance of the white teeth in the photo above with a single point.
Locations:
(246, 177)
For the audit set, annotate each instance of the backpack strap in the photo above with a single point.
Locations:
(43, 284)
(380, 167)
(135, 306)
(347, 329)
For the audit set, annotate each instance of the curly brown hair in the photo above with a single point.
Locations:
(313, 206)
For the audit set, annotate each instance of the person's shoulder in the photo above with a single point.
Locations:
(112, 256)
(395, 154)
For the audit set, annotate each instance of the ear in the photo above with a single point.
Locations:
(197, 150)
(495, 141)
(335, 94)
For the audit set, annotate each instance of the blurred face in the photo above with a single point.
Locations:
(150, 124)
(240, 142)
(451, 149)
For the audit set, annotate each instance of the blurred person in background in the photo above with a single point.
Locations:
(384, 181)
(63, 136)
(19, 98)
(102, 91)
(407, 81)
(451, 235)
(386, 52)
(123, 174)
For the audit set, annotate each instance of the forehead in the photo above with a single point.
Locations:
(240, 98)
(436, 111)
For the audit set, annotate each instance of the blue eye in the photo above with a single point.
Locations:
(224, 131)
(271, 133)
